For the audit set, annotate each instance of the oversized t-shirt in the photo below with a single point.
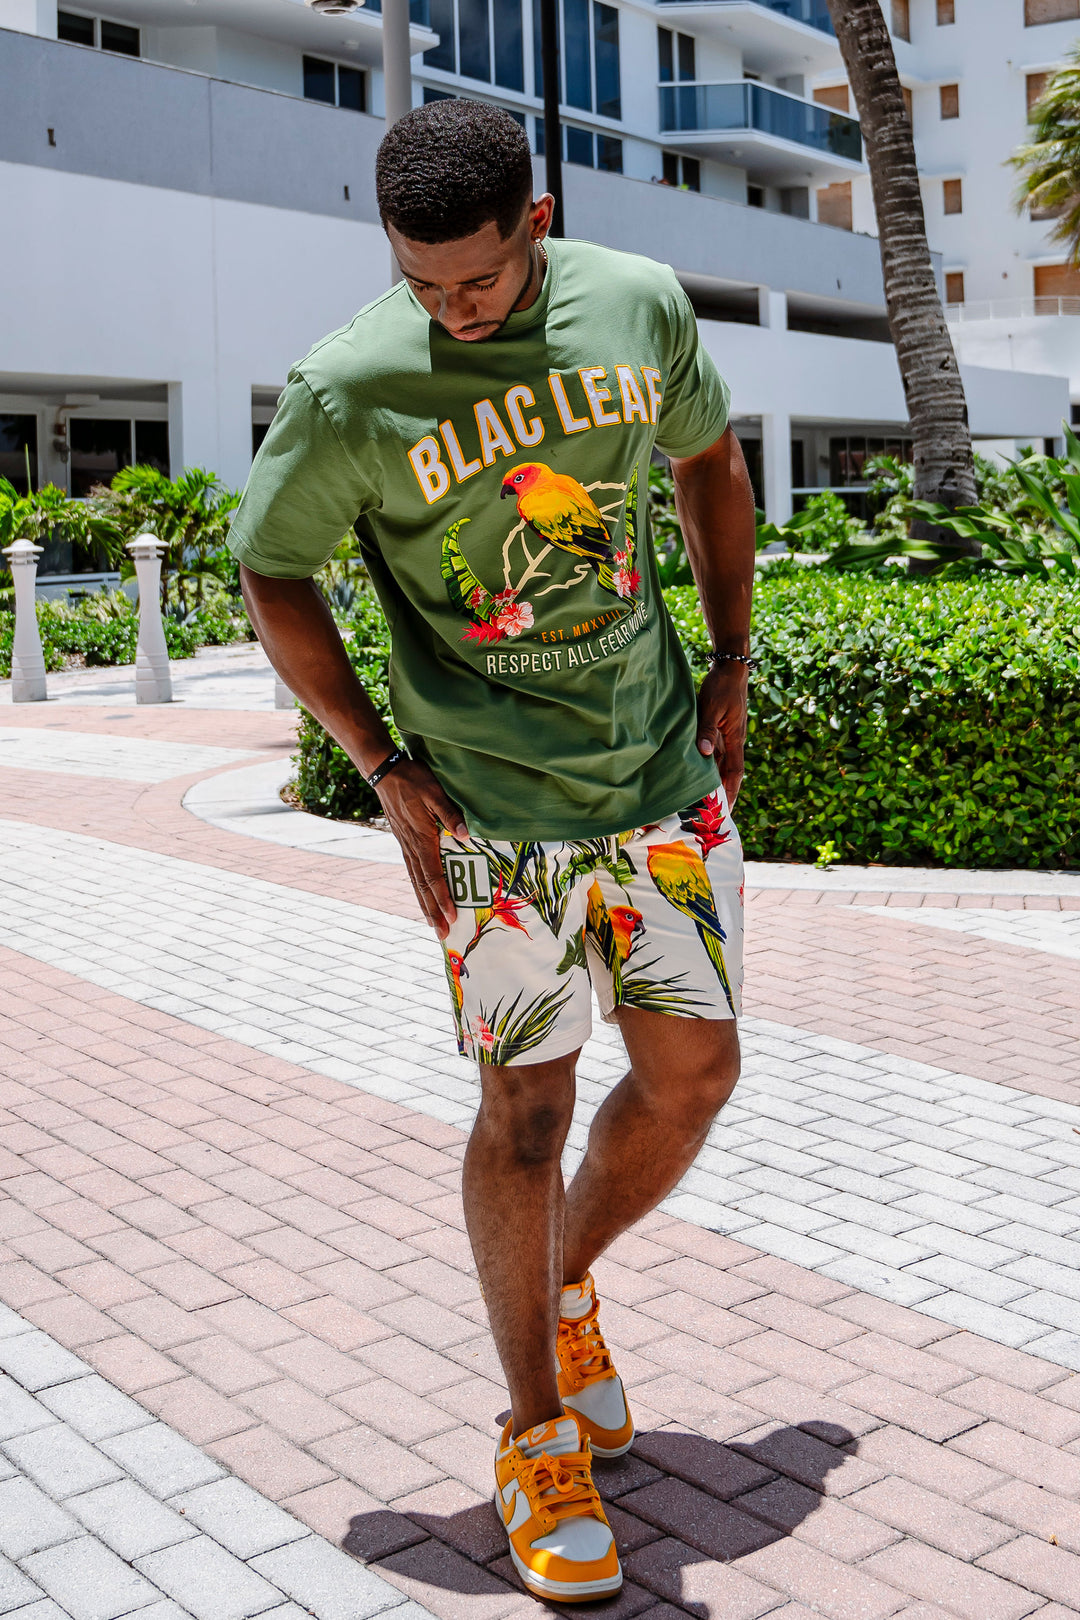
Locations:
(499, 492)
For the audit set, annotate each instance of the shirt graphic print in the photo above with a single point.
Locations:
(499, 491)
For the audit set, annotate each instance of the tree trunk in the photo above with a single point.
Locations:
(937, 408)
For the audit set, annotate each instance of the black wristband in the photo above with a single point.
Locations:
(733, 658)
(398, 757)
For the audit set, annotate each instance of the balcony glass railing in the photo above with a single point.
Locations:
(815, 13)
(744, 105)
(420, 10)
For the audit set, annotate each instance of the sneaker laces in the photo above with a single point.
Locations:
(560, 1487)
(583, 1355)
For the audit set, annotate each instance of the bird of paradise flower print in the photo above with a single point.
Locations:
(501, 910)
(561, 512)
(706, 821)
(679, 874)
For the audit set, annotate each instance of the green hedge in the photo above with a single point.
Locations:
(919, 722)
(914, 722)
(106, 631)
(327, 781)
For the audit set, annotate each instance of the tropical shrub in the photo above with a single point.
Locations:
(49, 512)
(327, 781)
(190, 516)
(1026, 520)
(100, 629)
(929, 722)
(823, 524)
(932, 722)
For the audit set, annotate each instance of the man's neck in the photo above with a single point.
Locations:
(538, 262)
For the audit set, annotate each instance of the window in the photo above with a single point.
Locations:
(98, 451)
(480, 39)
(1050, 11)
(950, 100)
(609, 154)
(755, 196)
(1057, 281)
(946, 12)
(119, 37)
(954, 286)
(76, 29)
(152, 445)
(577, 68)
(906, 93)
(443, 55)
(677, 56)
(509, 44)
(682, 172)
(334, 84)
(352, 89)
(952, 192)
(848, 456)
(1036, 83)
(18, 450)
(834, 205)
(606, 60)
(589, 54)
(835, 96)
(580, 146)
(901, 19)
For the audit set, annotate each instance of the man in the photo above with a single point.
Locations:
(488, 426)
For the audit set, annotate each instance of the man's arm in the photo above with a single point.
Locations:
(715, 503)
(297, 629)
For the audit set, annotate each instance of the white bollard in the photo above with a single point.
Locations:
(27, 658)
(153, 678)
(283, 698)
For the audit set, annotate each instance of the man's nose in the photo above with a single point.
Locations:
(456, 309)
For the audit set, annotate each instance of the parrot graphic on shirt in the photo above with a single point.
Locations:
(678, 871)
(562, 513)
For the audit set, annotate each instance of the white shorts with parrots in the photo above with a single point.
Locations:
(651, 918)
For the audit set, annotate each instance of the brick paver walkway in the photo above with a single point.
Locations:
(272, 1261)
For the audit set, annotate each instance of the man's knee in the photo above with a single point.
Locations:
(530, 1109)
(696, 1079)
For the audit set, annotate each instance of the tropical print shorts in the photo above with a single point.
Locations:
(650, 918)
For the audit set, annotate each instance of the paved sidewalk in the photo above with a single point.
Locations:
(267, 1255)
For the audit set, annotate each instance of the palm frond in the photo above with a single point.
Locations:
(515, 1033)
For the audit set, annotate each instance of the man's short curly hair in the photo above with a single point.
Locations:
(447, 168)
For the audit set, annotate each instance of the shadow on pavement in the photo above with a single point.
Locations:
(692, 1502)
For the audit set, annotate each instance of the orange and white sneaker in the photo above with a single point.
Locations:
(560, 1540)
(588, 1383)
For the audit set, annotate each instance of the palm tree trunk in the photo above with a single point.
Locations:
(937, 408)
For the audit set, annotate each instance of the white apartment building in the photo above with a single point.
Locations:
(971, 70)
(188, 186)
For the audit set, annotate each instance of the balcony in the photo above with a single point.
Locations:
(777, 38)
(814, 13)
(776, 137)
(1012, 309)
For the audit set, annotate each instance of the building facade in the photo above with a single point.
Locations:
(190, 187)
(971, 70)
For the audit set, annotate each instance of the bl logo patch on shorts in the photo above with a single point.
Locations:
(650, 918)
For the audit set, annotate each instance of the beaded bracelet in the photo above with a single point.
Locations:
(733, 658)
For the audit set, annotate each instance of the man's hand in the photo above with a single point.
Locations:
(416, 808)
(722, 722)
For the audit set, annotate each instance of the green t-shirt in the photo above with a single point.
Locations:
(500, 494)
